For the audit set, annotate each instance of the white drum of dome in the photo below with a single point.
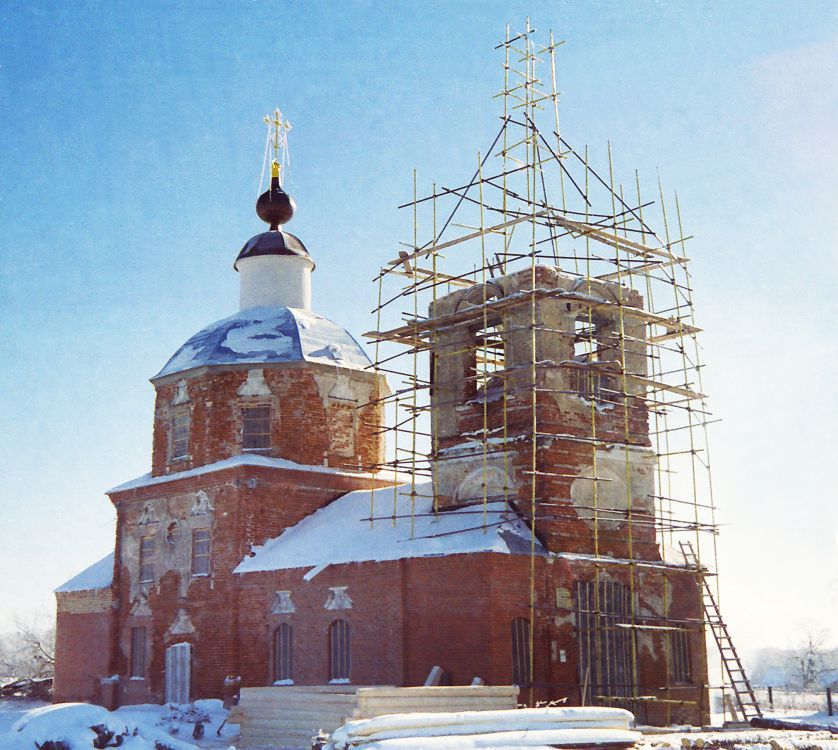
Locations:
(272, 280)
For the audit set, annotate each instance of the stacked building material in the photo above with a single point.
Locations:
(530, 727)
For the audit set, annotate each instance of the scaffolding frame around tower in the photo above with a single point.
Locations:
(546, 204)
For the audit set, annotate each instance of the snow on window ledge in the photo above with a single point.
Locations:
(341, 681)
(284, 682)
(137, 679)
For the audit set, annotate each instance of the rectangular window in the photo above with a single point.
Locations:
(284, 653)
(521, 662)
(605, 645)
(679, 657)
(339, 651)
(200, 552)
(147, 550)
(180, 435)
(138, 655)
(256, 429)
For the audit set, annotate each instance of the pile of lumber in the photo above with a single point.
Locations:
(527, 727)
(288, 717)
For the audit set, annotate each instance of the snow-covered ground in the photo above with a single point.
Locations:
(23, 723)
(12, 709)
(173, 728)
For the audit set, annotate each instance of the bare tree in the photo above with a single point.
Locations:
(29, 651)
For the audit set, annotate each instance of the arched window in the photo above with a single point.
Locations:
(284, 652)
(521, 664)
(339, 661)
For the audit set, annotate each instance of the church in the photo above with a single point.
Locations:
(267, 542)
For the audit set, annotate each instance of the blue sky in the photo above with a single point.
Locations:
(132, 146)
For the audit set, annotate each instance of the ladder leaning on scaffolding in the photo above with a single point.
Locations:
(739, 681)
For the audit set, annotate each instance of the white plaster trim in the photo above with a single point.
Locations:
(283, 604)
(201, 505)
(182, 624)
(342, 390)
(255, 384)
(141, 607)
(148, 515)
(338, 598)
(181, 397)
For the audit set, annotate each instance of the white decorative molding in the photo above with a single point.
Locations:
(182, 624)
(255, 384)
(181, 396)
(338, 598)
(282, 604)
(140, 608)
(148, 515)
(342, 390)
(201, 505)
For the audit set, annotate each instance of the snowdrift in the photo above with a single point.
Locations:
(82, 726)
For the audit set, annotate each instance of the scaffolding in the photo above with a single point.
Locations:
(536, 201)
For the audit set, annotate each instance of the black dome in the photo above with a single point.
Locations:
(273, 243)
(275, 206)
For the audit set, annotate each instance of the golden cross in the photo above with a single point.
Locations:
(279, 137)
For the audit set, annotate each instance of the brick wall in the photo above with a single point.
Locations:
(83, 627)
(319, 413)
(247, 506)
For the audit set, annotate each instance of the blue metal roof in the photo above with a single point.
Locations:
(263, 335)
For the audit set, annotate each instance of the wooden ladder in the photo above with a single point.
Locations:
(739, 681)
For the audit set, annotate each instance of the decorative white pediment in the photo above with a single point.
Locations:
(342, 390)
(338, 598)
(182, 624)
(255, 384)
(282, 604)
(201, 505)
(140, 607)
(148, 515)
(181, 396)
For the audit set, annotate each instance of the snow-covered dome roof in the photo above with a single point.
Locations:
(263, 335)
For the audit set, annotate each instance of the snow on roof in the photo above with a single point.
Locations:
(341, 532)
(263, 335)
(97, 576)
(245, 459)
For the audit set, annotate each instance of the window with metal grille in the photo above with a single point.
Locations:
(256, 427)
(284, 652)
(606, 642)
(180, 434)
(147, 552)
(138, 655)
(201, 543)
(679, 657)
(521, 662)
(339, 662)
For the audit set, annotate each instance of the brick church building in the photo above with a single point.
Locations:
(264, 544)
